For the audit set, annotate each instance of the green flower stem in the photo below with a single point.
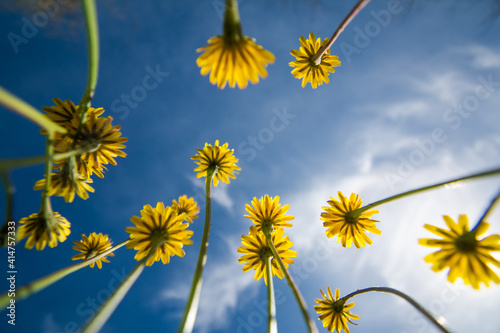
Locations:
(19, 106)
(359, 6)
(6, 164)
(271, 302)
(298, 296)
(359, 211)
(44, 282)
(403, 296)
(488, 211)
(108, 307)
(194, 295)
(46, 205)
(232, 22)
(92, 31)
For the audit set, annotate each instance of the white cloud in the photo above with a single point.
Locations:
(219, 194)
(482, 57)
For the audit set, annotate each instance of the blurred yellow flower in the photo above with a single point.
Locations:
(267, 212)
(42, 229)
(306, 68)
(160, 230)
(257, 252)
(348, 226)
(333, 312)
(92, 246)
(466, 256)
(66, 182)
(218, 158)
(186, 206)
(234, 61)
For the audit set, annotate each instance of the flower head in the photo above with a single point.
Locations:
(333, 312)
(44, 228)
(160, 230)
(462, 252)
(104, 140)
(234, 61)
(66, 182)
(342, 221)
(92, 246)
(186, 206)
(305, 66)
(217, 158)
(267, 212)
(257, 252)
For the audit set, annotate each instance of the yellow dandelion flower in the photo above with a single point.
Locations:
(186, 206)
(42, 230)
(348, 226)
(92, 246)
(218, 158)
(333, 312)
(306, 68)
(104, 139)
(466, 256)
(256, 252)
(160, 230)
(67, 182)
(234, 61)
(267, 212)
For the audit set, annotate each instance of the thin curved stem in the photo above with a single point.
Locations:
(272, 325)
(359, 6)
(10, 101)
(298, 296)
(42, 283)
(6, 164)
(95, 324)
(403, 296)
(488, 211)
(423, 189)
(189, 317)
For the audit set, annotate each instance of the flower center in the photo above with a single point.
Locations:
(338, 306)
(466, 242)
(265, 253)
(350, 219)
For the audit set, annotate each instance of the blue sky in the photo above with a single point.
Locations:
(414, 102)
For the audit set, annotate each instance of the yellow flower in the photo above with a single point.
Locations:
(466, 256)
(333, 312)
(217, 158)
(104, 140)
(306, 68)
(160, 230)
(42, 229)
(66, 182)
(342, 221)
(257, 252)
(186, 206)
(233, 61)
(267, 212)
(92, 246)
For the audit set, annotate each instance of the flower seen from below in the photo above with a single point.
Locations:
(103, 139)
(233, 61)
(66, 182)
(186, 206)
(256, 252)
(305, 67)
(465, 255)
(267, 212)
(92, 246)
(220, 159)
(333, 312)
(44, 228)
(160, 230)
(342, 221)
